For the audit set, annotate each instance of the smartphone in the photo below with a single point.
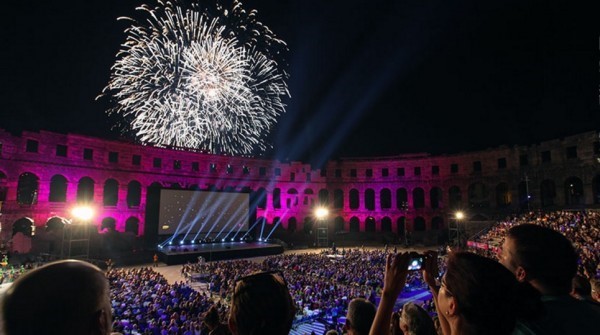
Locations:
(416, 262)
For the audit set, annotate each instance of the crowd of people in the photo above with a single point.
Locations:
(582, 228)
(532, 287)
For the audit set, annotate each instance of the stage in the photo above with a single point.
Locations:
(181, 254)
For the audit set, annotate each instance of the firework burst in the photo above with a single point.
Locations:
(204, 78)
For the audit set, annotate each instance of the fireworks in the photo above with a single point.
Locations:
(204, 78)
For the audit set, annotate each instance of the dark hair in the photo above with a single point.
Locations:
(361, 313)
(261, 304)
(485, 293)
(64, 297)
(582, 286)
(546, 255)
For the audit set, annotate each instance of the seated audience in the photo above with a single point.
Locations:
(261, 305)
(63, 298)
(359, 318)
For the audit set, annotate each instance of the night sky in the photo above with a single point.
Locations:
(367, 78)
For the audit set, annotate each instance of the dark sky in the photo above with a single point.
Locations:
(368, 78)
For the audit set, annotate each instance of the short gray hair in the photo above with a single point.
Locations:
(417, 320)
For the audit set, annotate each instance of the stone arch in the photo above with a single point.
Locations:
(132, 225)
(420, 224)
(454, 197)
(338, 224)
(354, 224)
(354, 199)
(85, 190)
(385, 198)
(503, 196)
(524, 195)
(574, 191)
(437, 223)
(386, 224)
(277, 198)
(111, 192)
(23, 225)
(134, 194)
(547, 192)
(292, 224)
(3, 186)
(308, 197)
(260, 198)
(292, 198)
(596, 189)
(370, 224)
(28, 188)
(55, 223)
(338, 199)
(308, 225)
(401, 226)
(324, 197)
(58, 189)
(478, 195)
(402, 199)
(370, 199)
(418, 198)
(108, 223)
(435, 197)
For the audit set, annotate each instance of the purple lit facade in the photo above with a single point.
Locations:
(45, 174)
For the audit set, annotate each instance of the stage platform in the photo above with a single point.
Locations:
(181, 254)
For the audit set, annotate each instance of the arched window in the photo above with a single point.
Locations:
(401, 199)
(435, 197)
(437, 223)
(401, 226)
(573, 191)
(478, 196)
(3, 187)
(108, 223)
(354, 225)
(420, 224)
(308, 225)
(27, 189)
(292, 223)
(277, 198)
(338, 199)
(370, 199)
(418, 198)
(85, 190)
(132, 225)
(454, 197)
(324, 197)
(55, 223)
(386, 224)
(354, 199)
(385, 198)
(23, 225)
(503, 197)
(261, 198)
(370, 225)
(338, 224)
(134, 194)
(111, 192)
(58, 189)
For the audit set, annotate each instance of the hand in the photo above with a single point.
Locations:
(396, 271)
(430, 268)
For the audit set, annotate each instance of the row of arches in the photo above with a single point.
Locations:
(369, 224)
(55, 224)
(28, 188)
